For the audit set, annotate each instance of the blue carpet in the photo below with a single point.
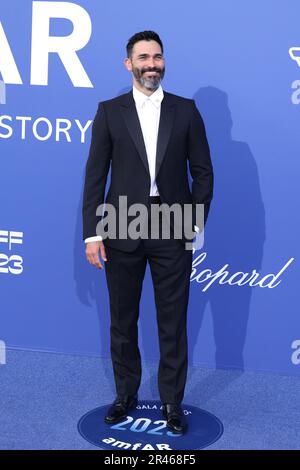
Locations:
(43, 395)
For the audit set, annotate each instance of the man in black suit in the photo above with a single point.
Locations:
(147, 137)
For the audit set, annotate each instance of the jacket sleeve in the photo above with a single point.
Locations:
(96, 172)
(200, 164)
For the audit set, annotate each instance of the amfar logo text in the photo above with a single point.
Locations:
(42, 44)
(42, 128)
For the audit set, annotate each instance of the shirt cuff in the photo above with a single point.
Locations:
(93, 239)
(196, 229)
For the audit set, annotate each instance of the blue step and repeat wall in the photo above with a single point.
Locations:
(240, 61)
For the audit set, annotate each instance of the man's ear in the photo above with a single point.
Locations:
(127, 63)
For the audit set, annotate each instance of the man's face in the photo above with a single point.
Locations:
(147, 64)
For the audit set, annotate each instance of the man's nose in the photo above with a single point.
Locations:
(151, 63)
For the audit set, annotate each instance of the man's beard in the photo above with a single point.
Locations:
(151, 83)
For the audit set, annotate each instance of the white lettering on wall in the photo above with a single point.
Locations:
(42, 44)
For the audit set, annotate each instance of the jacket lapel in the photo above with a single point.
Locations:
(167, 114)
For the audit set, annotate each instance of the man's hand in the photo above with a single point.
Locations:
(92, 253)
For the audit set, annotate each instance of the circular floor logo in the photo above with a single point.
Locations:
(145, 429)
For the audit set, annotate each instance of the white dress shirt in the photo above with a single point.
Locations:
(148, 109)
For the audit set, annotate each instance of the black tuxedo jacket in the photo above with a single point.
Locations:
(117, 142)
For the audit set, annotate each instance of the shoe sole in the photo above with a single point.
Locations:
(174, 431)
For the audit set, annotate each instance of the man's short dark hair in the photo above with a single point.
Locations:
(143, 36)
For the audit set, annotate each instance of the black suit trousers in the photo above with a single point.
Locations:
(170, 265)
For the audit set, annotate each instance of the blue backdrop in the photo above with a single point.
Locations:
(235, 59)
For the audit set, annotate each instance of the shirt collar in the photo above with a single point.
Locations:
(140, 97)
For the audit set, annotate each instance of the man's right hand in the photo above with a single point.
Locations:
(92, 253)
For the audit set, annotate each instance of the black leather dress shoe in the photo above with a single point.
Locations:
(176, 421)
(118, 410)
